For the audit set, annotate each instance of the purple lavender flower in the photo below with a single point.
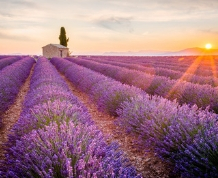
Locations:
(107, 93)
(199, 159)
(12, 77)
(66, 150)
(8, 61)
(169, 127)
(43, 115)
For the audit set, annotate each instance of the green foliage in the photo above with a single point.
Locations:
(62, 37)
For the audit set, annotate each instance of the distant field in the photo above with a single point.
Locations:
(191, 80)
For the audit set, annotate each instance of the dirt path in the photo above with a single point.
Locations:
(10, 117)
(147, 164)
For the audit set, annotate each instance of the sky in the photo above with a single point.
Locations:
(98, 26)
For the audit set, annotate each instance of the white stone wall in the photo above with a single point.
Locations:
(65, 52)
(50, 51)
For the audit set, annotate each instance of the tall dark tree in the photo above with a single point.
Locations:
(62, 37)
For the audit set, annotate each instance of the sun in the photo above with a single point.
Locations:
(208, 46)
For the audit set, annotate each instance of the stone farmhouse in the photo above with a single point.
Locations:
(55, 50)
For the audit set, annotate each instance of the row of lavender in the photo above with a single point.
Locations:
(9, 56)
(8, 61)
(182, 63)
(5, 56)
(184, 92)
(185, 136)
(172, 74)
(174, 60)
(155, 61)
(55, 137)
(12, 77)
(202, 65)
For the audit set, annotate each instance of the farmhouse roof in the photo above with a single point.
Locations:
(58, 46)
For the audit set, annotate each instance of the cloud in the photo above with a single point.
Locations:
(210, 31)
(20, 14)
(5, 14)
(14, 8)
(25, 3)
(116, 23)
(159, 8)
(167, 4)
(145, 11)
(14, 37)
(19, 3)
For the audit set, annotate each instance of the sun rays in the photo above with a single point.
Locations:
(203, 62)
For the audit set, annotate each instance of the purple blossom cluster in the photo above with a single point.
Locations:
(66, 150)
(12, 77)
(8, 61)
(183, 135)
(201, 155)
(184, 92)
(55, 137)
(106, 92)
(179, 134)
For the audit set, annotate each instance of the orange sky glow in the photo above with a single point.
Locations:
(96, 26)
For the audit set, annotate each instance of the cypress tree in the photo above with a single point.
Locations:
(62, 37)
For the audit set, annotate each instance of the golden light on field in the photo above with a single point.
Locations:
(205, 58)
(208, 46)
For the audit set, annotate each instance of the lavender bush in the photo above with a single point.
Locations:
(66, 150)
(47, 85)
(44, 114)
(112, 96)
(12, 78)
(199, 159)
(47, 93)
(51, 101)
(171, 129)
(107, 93)
(8, 61)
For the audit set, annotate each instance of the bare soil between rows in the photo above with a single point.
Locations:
(146, 163)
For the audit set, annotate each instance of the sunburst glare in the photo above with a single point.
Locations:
(208, 46)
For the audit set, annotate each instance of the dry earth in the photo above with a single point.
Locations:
(10, 117)
(146, 163)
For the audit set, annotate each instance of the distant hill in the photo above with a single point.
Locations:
(193, 52)
(185, 52)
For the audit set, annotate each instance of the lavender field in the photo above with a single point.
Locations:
(168, 105)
